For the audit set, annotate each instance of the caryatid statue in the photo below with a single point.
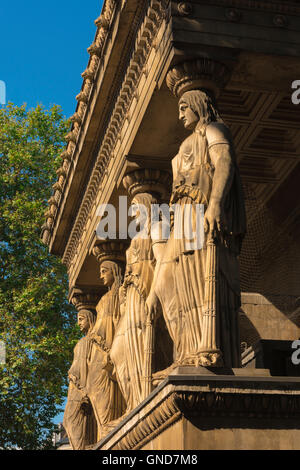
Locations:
(147, 187)
(203, 322)
(103, 389)
(78, 407)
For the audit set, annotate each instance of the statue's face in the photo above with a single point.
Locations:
(135, 208)
(187, 116)
(140, 212)
(106, 275)
(83, 322)
(136, 212)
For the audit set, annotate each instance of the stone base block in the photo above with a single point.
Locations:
(197, 409)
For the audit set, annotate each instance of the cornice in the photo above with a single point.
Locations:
(146, 35)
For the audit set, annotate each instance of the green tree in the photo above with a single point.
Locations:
(37, 324)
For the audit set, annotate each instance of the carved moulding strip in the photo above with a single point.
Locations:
(95, 51)
(250, 402)
(146, 36)
(265, 5)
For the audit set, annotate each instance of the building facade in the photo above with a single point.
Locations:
(126, 131)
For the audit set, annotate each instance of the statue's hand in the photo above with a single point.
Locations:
(122, 295)
(151, 306)
(108, 366)
(86, 406)
(85, 399)
(214, 220)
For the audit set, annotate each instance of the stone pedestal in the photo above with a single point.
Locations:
(199, 409)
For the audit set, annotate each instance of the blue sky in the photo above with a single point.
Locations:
(44, 49)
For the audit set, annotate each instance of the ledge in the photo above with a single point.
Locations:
(197, 393)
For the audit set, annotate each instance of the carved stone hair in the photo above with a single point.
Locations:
(91, 317)
(117, 271)
(202, 104)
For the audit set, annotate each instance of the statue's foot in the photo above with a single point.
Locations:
(203, 359)
(209, 359)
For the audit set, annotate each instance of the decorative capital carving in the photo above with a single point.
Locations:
(106, 250)
(196, 74)
(148, 180)
(84, 299)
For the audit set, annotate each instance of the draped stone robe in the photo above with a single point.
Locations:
(104, 393)
(193, 174)
(75, 416)
(137, 284)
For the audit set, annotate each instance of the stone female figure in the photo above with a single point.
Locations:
(138, 278)
(204, 173)
(77, 408)
(104, 393)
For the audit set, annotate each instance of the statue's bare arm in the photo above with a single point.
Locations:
(221, 154)
(152, 299)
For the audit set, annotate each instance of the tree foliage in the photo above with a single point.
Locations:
(37, 324)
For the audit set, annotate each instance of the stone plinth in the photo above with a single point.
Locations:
(196, 409)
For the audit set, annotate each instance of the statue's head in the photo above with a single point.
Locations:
(143, 199)
(86, 320)
(106, 273)
(195, 107)
(111, 273)
(141, 208)
(187, 116)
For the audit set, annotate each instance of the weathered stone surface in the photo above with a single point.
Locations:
(208, 411)
(126, 128)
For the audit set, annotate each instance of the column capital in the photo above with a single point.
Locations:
(200, 73)
(148, 180)
(84, 298)
(110, 250)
